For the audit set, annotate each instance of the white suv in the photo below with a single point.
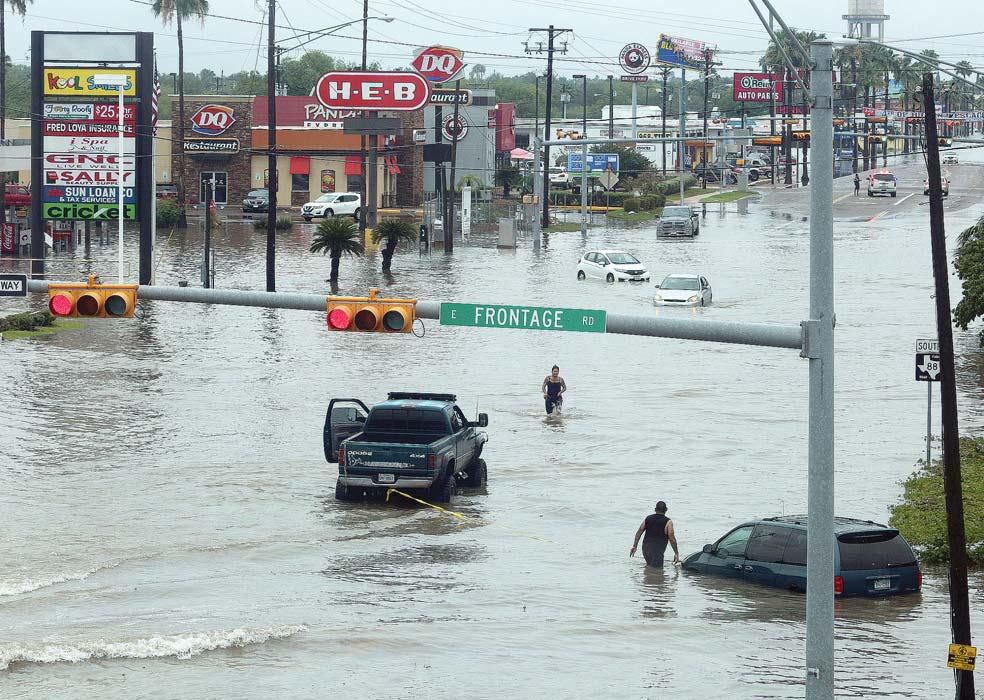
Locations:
(559, 178)
(882, 183)
(333, 204)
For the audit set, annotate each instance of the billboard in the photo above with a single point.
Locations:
(758, 87)
(597, 163)
(81, 82)
(681, 53)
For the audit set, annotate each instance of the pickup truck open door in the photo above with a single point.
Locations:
(345, 418)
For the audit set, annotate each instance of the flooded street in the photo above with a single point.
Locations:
(170, 523)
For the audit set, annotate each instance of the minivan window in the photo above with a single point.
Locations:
(795, 552)
(733, 544)
(767, 543)
(880, 550)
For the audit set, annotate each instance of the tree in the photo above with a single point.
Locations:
(969, 263)
(477, 72)
(178, 11)
(302, 74)
(18, 7)
(334, 237)
(631, 163)
(393, 231)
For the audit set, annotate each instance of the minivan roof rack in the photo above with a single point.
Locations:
(419, 396)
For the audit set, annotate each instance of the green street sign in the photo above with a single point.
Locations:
(531, 318)
(92, 212)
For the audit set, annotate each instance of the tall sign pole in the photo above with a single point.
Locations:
(272, 179)
(682, 131)
(635, 59)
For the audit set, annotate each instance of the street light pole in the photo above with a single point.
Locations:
(272, 179)
(611, 107)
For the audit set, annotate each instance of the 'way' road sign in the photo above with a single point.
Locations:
(534, 318)
(927, 367)
(13, 285)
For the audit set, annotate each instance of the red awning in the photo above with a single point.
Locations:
(300, 165)
(391, 165)
(353, 165)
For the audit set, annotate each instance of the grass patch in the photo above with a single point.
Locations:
(921, 516)
(732, 196)
(566, 227)
(41, 331)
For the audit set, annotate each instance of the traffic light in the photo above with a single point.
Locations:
(945, 141)
(876, 138)
(92, 299)
(767, 141)
(801, 136)
(371, 314)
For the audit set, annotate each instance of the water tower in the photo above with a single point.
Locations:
(866, 19)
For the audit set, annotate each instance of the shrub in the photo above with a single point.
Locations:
(283, 223)
(651, 202)
(632, 204)
(168, 213)
(26, 321)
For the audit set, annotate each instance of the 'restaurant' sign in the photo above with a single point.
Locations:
(449, 97)
(757, 87)
(220, 146)
(438, 64)
(396, 91)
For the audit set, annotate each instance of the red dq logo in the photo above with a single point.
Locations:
(438, 64)
(212, 120)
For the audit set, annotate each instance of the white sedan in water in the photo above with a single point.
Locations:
(612, 266)
(685, 289)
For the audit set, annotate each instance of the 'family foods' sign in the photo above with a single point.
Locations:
(81, 82)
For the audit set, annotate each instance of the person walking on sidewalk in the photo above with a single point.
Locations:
(857, 184)
(659, 532)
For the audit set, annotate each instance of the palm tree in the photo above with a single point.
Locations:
(18, 7)
(392, 231)
(178, 11)
(334, 237)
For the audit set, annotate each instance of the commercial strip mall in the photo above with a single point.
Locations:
(226, 137)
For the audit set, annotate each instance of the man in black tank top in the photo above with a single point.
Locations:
(658, 530)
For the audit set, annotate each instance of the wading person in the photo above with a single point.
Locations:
(857, 184)
(553, 387)
(659, 532)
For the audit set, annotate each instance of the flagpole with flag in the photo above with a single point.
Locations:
(154, 111)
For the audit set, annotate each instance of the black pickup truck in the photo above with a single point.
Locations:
(412, 442)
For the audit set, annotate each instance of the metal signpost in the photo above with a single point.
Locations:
(928, 370)
(634, 59)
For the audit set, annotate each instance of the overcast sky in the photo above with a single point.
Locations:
(599, 29)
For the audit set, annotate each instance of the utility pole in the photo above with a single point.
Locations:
(952, 488)
(449, 219)
(584, 153)
(707, 80)
(3, 111)
(272, 179)
(666, 78)
(854, 110)
(364, 155)
(787, 145)
(552, 33)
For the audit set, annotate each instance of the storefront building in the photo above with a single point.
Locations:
(476, 144)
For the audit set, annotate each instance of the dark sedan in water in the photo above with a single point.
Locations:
(869, 559)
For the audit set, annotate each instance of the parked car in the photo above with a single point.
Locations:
(944, 182)
(677, 220)
(882, 182)
(167, 191)
(869, 559)
(950, 159)
(684, 289)
(257, 201)
(412, 442)
(612, 266)
(559, 179)
(17, 195)
(333, 204)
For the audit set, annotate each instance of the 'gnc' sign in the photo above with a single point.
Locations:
(405, 92)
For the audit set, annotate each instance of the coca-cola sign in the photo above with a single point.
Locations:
(757, 87)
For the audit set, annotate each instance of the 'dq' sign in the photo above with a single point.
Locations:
(438, 64)
(212, 120)
(368, 91)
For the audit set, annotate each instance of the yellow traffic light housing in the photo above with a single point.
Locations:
(92, 299)
(767, 141)
(371, 314)
(801, 136)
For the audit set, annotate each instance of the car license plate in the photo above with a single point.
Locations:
(882, 584)
(386, 478)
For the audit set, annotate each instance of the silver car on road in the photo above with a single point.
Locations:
(683, 289)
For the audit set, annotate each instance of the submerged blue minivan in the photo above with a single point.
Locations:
(870, 559)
